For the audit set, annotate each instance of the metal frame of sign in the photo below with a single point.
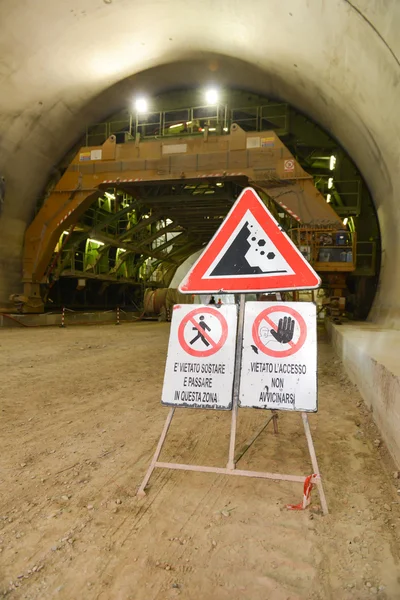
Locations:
(230, 468)
(302, 277)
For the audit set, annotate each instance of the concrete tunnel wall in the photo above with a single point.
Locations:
(69, 62)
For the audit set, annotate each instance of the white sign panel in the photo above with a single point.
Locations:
(96, 154)
(174, 148)
(253, 142)
(279, 361)
(201, 357)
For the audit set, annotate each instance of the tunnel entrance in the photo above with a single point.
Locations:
(126, 234)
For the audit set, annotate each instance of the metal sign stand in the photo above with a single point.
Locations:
(231, 465)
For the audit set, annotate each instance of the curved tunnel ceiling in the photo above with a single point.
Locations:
(76, 61)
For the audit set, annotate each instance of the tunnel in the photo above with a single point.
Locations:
(322, 76)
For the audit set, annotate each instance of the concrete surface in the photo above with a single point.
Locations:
(69, 62)
(371, 358)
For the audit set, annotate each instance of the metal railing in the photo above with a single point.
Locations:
(183, 121)
(366, 259)
(97, 134)
(192, 120)
(262, 118)
(349, 192)
(324, 246)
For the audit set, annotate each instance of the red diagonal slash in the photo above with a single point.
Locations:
(202, 332)
(275, 328)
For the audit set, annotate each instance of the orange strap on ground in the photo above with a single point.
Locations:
(309, 483)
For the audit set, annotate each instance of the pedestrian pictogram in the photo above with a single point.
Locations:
(250, 252)
(211, 331)
(200, 335)
(279, 360)
(279, 331)
(201, 357)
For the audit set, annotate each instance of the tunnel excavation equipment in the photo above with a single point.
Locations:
(159, 302)
(125, 215)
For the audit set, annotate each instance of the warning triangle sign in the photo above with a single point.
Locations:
(250, 253)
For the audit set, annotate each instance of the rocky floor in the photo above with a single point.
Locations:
(80, 419)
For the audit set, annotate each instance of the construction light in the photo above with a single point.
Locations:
(109, 196)
(345, 221)
(226, 129)
(211, 96)
(212, 129)
(330, 182)
(65, 232)
(122, 249)
(328, 198)
(96, 242)
(332, 162)
(141, 105)
(177, 125)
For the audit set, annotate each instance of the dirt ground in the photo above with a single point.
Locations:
(80, 419)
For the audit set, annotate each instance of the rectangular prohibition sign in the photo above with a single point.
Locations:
(279, 360)
(201, 357)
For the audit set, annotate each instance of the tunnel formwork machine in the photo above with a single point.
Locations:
(129, 213)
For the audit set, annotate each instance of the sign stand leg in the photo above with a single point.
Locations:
(231, 468)
(275, 421)
(236, 384)
(314, 462)
(248, 444)
(141, 493)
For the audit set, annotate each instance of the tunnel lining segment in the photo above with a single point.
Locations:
(369, 356)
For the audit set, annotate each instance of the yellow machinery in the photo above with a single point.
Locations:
(169, 167)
